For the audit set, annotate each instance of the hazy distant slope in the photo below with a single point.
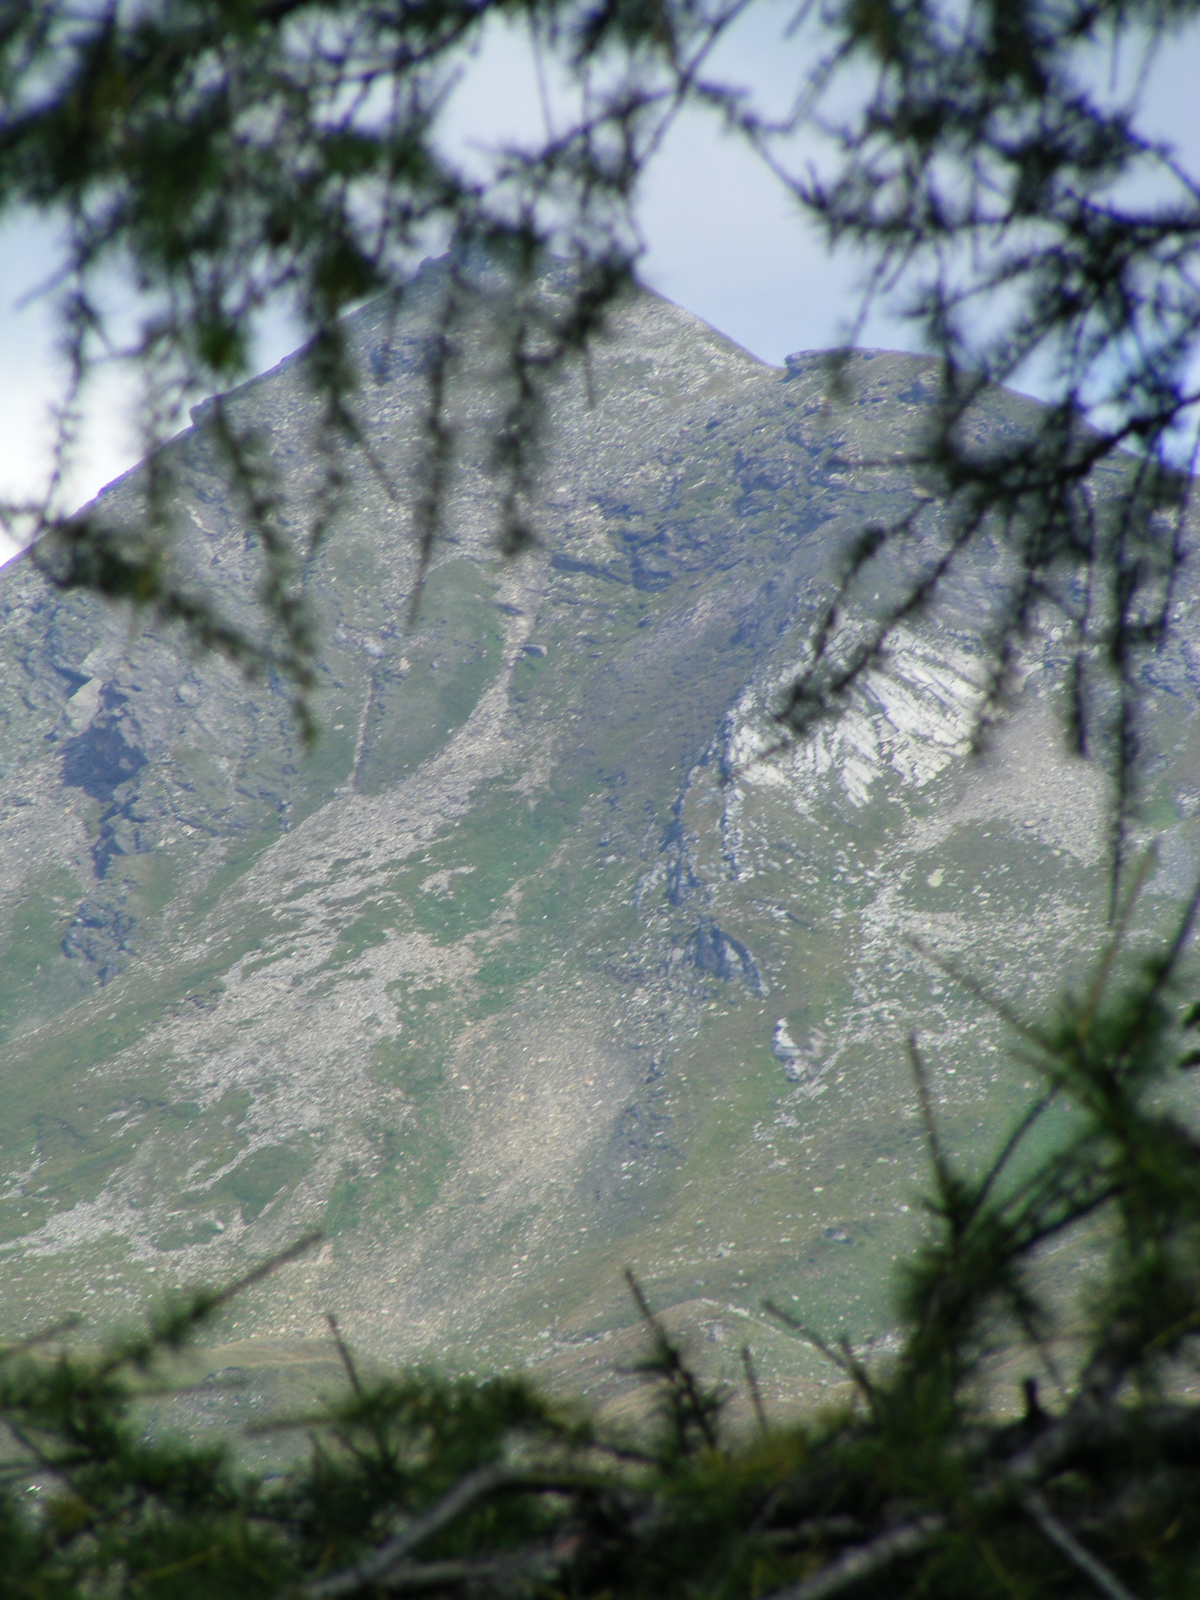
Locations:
(532, 968)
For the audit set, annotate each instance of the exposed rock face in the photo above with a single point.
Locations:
(537, 965)
(719, 953)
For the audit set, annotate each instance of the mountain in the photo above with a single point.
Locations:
(538, 965)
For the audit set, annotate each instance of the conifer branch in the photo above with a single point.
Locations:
(866, 1560)
(376, 1569)
(1065, 1540)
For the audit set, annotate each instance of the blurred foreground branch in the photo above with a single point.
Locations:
(924, 1479)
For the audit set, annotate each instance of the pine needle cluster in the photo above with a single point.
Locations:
(926, 1480)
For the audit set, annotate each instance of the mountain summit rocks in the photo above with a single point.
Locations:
(489, 985)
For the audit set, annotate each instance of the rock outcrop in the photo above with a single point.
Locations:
(496, 986)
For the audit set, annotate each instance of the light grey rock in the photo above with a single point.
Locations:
(486, 985)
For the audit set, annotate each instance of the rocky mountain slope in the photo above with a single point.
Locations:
(536, 966)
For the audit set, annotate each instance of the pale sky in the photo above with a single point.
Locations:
(722, 238)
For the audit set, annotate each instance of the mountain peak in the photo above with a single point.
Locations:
(540, 963)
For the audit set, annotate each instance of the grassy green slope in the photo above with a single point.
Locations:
(453, 988)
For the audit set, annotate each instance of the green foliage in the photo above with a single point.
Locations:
(1033, 227)
(923, 1481)
(220, 160)
(227, 156)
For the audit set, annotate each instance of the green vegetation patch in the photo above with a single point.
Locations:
(32, 947)
(368, 930)
(263, 1176)
(419, 699)
(460, 884)
(415, 1159)
(344, 1208)
(410, 1066)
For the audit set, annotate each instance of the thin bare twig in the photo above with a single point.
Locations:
(346, 1358)
(756, 1399)
(375, 1570)
(932, 1138)
(1061, 1537)
(980, 992)
(676, 1370)
(865, 1559)
(843, 1357)
(43, 1336)
(540, 1563)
